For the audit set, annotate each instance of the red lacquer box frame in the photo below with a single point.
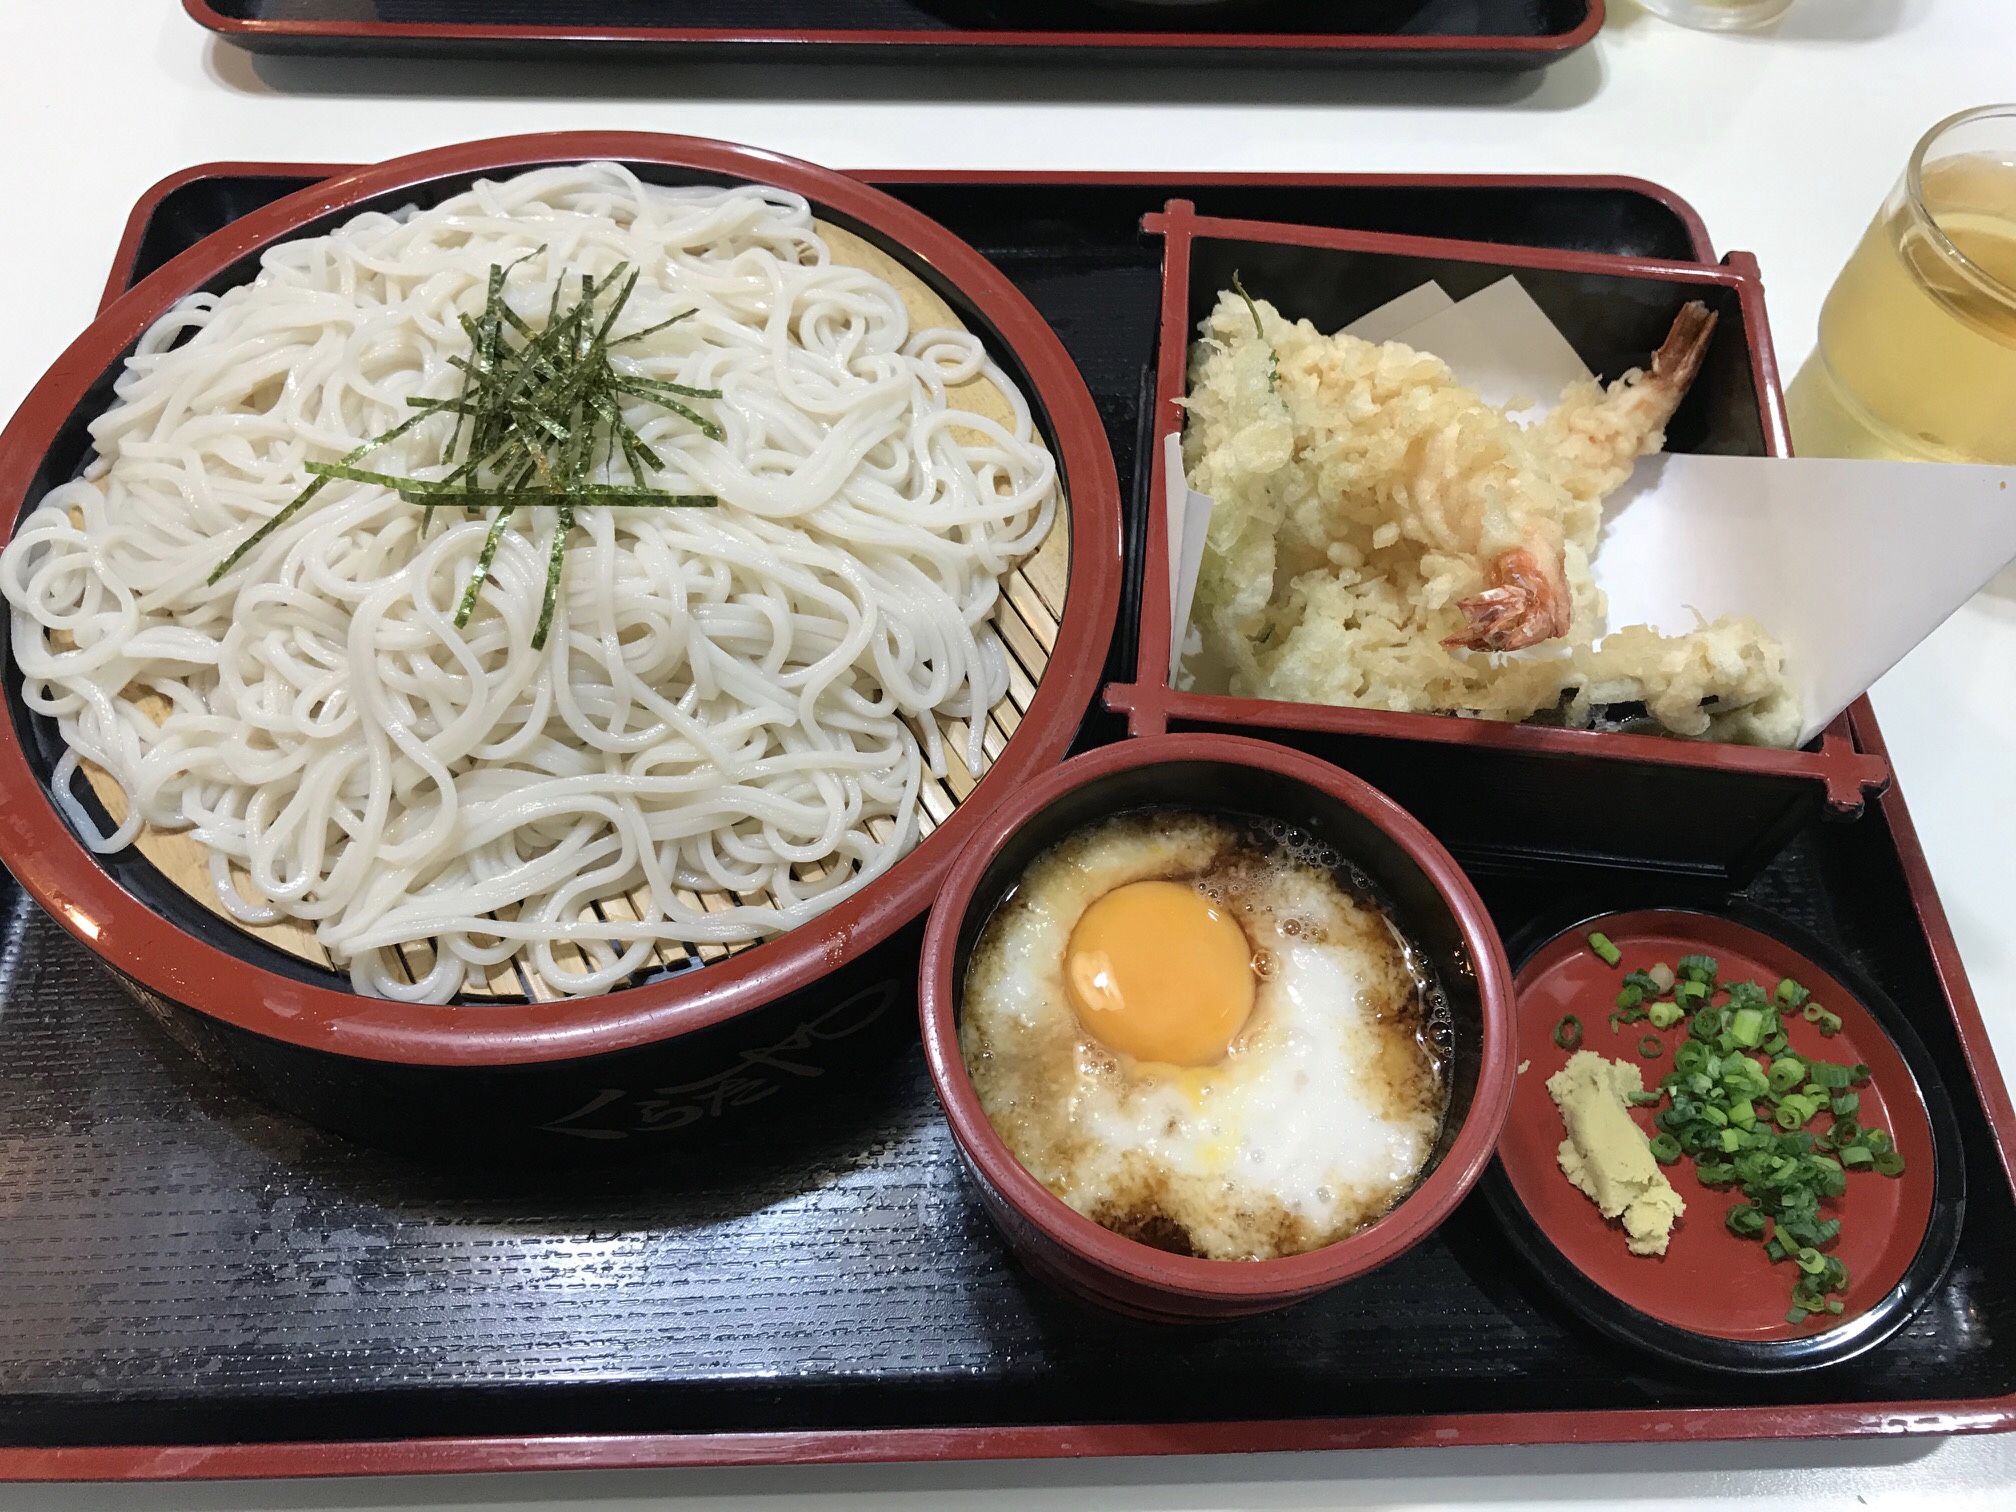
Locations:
(1843, 773)
(478, 1454)
(339, 35)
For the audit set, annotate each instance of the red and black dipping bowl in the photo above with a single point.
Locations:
(1431, 901)
(694, 1055)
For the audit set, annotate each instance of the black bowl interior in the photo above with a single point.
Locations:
(1614, 321)
(71, 450)
(1228, 788)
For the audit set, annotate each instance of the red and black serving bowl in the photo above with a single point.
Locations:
(1430, 899)
(696, 1052)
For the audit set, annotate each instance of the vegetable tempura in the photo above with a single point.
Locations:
(1379, 533)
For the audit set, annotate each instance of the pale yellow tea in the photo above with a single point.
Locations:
(1917, 354)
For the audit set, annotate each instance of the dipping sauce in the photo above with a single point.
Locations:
(1206, 1034)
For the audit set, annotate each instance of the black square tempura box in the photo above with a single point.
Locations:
(1503, 794)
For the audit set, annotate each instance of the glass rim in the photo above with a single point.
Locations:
(1914, 195)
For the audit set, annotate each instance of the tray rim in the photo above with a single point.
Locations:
(476, 1453)
(140, 217)
(260, 35)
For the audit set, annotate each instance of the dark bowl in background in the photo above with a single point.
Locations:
(683, 1058)
(1433, 902)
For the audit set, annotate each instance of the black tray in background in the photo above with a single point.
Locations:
(1507, 35)
(180, 1266)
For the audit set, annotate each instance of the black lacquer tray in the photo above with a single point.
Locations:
(192, 1285)
(1487, 34)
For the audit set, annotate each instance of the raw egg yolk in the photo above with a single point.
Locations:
(1157, 970)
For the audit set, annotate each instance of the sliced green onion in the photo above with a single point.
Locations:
(1568, 1033)
(1744, 1221)
(1786, 1073)
(1746, 1121)
(1600, 943)
(1747, 995)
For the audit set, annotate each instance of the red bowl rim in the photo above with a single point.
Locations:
(1418, 1214)
(56, 869)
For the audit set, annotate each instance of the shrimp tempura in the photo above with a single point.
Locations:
(1376, 525)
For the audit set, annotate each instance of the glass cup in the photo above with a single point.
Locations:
(1917, 353)
(1719, 15)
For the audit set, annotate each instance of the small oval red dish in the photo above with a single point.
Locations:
(1714, 1299)
(1435, 903)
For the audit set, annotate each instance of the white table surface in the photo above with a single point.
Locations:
(1784, 142)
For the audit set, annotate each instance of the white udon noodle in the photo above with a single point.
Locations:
(726, 700)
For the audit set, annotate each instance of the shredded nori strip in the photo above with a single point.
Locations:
(534, 424)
